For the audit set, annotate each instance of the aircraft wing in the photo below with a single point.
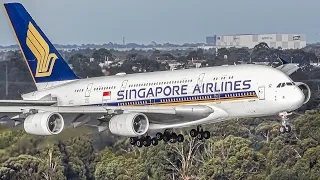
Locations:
(16, 106)
(26, 102)
(164, 117)
(288, 69)
(160, 116)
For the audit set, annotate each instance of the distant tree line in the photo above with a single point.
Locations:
(250, 148)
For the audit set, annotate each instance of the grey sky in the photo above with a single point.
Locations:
(174, 21)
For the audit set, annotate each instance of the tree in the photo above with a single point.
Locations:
(83, 67)
(183, 158)
(113, 166)
(261, 46)
(268, 130)
(307, 126)
(239, 54)
(308, 166)
(101, 55)
(24, 167)
(233, 158)
(196, 55)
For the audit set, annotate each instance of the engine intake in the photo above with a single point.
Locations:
(306, 91)
(44, 123)
(130, 124)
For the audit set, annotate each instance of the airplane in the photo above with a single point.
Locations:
(146, 107)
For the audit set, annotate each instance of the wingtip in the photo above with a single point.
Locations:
(283, 61)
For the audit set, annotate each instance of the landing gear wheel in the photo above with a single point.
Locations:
(166, 138)
(282, 129)
(139, 143)
(200, 135)
(206, 134)
(133, 140)
(285, 124)
(147, 142)
(159, 136)
(180, 138)
(154, 141)
(288, 128)
(173, 138)
(193, 133)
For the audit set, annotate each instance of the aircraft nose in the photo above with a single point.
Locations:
(297, 98)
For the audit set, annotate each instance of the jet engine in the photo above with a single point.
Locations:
(130, 124)
(44, 123)
(306, 91)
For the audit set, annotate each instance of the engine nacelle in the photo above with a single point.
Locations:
(44, 123)
(130, 124)
(306, 91)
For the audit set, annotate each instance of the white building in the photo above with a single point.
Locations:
(285, 41)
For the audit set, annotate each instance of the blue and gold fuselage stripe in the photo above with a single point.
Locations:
(175, 101)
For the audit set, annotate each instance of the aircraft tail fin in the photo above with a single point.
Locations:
(46, 65)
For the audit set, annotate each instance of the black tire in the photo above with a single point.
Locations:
(282, 129)
(165, 138)
(288, 128)
(139, 143)
(147, 137)
(206, 134)
(133, 140)
(193, 133)
(159, 136)
(200, 135)
(154, 141)
(180, 138)
(173, 138)
(147, 142)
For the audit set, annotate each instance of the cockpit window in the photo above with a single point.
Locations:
(280, 85)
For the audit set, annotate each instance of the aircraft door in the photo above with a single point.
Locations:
(200, 79)
(87, 93)
(88, 90)
(123, 85)
(261, 92)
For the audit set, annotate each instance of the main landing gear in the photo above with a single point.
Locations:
(200, 133)
(167, 136)
(285, 128)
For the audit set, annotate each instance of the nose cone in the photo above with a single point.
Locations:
(297, 98)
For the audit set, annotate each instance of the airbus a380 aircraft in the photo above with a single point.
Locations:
(145, 107)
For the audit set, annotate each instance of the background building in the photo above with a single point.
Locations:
(285, 41)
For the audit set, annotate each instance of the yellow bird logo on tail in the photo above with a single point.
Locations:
(40, 50)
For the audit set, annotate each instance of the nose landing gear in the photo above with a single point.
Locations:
(285, 128)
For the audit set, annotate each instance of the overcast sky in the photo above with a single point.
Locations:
(174, 21)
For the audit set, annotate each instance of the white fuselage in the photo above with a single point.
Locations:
(240, 90)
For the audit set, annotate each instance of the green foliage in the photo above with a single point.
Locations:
(240, 149)
(250, 148)
(120, 167)
(233, 158)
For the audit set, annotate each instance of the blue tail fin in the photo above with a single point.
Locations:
(44, 61)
